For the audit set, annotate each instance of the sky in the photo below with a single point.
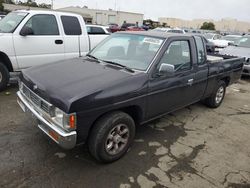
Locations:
(184, 9)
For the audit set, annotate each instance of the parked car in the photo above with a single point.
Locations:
(97, 33)
(129, 79)
(161, 29)
(231, 38)
(114, 28)
(209, 45)
(2, 16)
(241, 48)
(126, 25)
(217, 40)
(134, 28)
(33, 38)
(181, 31)
(169, 30)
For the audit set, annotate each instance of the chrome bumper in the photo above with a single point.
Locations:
(66, 140)
(246, 70)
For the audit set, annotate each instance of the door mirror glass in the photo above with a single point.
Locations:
(166, 69)
(26, 31)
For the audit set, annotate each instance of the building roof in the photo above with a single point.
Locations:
(109, 10)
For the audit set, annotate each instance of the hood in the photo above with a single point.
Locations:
(63, 83)
(236, 51)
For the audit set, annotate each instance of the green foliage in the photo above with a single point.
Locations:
(208, 26)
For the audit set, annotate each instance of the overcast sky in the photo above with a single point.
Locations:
(185, 9)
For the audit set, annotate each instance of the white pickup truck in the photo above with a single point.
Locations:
(31, 38)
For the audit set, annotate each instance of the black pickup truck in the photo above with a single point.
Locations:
(129, 79)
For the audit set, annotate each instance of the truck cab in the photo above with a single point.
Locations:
(33, 38)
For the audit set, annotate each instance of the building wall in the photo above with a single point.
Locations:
(104, 17)
(226, 24)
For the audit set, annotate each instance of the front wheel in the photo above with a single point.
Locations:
(4, 76)
(215, 100)
(111, 137)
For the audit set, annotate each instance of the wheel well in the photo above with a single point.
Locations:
(6, 61)
(135, 112)
(226, 80)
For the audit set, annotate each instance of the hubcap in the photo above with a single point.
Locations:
(117, 139)
(219, 95)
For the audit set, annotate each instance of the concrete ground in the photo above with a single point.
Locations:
(194, 147)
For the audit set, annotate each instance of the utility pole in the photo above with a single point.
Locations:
(52, 4)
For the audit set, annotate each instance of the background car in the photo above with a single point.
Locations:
(135, 28)
(114, 27)
(126, 25)
(98, 29)
(241, 48)
(216, 39)
(231, 38)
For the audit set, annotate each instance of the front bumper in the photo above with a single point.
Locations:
(246, 70)
(66, 140)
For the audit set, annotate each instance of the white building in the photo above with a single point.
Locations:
(104, 17)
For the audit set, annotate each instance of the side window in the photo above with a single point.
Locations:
(43, 24)
(71, 25)
(177, 55)
(97, 31)
(200, 50)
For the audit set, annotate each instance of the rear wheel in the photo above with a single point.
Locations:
(4, 76)
(217, 97)
(111, 136)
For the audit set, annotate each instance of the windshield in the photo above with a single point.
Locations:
(208, 36)
(243, 42)
(132, 51)
(9, 23)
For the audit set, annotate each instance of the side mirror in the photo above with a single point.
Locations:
(166, 69)
(26, 31)
(231, 44)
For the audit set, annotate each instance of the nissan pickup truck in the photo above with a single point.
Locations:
(129, 79)
(30, 38)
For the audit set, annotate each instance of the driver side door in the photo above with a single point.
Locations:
(44, 45)
(170, 91)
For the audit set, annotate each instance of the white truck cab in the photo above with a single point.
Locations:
(31, 38)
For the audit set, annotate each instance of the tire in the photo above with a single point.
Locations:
(215, 100)
(4, 76)
(108, 139)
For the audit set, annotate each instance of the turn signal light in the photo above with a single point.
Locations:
(72, 121)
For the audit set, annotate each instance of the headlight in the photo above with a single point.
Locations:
(66, 121)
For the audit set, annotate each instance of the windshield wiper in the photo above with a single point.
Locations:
(93, 57)
(120, 65)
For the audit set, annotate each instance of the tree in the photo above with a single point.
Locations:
(1, 5)
(208, 26)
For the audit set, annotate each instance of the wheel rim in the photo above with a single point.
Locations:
(219, 95)
(117, 139)
(1, 77)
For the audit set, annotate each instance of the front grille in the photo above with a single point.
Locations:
(36, 100)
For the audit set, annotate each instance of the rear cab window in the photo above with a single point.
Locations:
(200, 50)
(71, 25)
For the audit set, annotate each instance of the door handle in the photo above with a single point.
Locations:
(190, 82)
(58, 41)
